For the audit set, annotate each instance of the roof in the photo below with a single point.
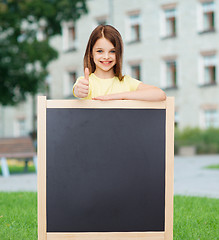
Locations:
(21, 147)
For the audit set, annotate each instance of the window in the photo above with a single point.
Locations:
(211, 118)
(69, 36)
(170, 16)
(136, 71)
(206, 16)
(20, 127)
(168, 21)
(72, 78)
(133, 28)
(69, 80)
(169, 73)
(208, 70)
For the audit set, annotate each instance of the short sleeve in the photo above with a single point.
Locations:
(132, 82)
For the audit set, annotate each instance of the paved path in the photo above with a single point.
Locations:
(190, 178)
(19, 182)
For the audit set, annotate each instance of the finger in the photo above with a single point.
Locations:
(83, 91)
(83, 95)
(83, 86)
(86, 74)
(84, 82)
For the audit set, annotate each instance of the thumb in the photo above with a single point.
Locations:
(86, 74)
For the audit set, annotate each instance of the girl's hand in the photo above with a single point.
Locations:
(144, 92)
(116, 96)
(81, 89)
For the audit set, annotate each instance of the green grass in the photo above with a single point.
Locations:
(18, 216)
(194, 218)
(216, 166)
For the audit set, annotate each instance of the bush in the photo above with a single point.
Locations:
(206, 141)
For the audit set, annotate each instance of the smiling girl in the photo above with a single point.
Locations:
(103, 79)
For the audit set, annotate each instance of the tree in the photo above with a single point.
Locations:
(24, 56)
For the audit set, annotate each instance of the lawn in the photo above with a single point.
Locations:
(18, 216)
(216, 166)
(194, 218)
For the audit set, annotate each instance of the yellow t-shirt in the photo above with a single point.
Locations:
(100, 87)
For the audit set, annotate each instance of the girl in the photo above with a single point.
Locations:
(103, 78)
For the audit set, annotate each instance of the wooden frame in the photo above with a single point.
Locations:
(43, 104)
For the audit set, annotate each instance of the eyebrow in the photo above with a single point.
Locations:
(102, 48)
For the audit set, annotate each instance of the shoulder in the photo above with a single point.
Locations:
(130, 79)
(132, 82)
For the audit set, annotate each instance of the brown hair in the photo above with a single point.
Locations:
(111, 34)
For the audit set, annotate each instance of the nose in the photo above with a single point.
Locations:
(106, 55)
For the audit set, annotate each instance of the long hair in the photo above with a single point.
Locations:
(111, 34)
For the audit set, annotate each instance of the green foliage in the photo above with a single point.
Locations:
(15, 78)
(23, 57)
(205, 140)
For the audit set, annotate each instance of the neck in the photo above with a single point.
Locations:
(104, 75)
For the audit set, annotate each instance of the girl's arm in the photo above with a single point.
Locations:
(143, 92)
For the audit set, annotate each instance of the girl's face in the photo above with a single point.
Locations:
(104, 57)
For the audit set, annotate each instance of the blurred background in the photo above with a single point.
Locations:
(170, 44)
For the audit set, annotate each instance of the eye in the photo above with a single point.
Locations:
(113, 51)
(99, 51)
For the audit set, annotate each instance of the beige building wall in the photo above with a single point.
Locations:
(16, 121)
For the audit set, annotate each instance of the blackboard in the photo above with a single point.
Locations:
(105, 170)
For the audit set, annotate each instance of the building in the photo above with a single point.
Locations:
(169, 44)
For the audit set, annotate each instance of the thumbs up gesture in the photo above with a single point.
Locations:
(81, 89)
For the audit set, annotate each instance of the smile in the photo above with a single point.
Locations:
(106, 62)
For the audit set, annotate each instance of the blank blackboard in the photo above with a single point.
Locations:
(105, 170)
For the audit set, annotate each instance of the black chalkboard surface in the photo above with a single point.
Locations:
(105, 170)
